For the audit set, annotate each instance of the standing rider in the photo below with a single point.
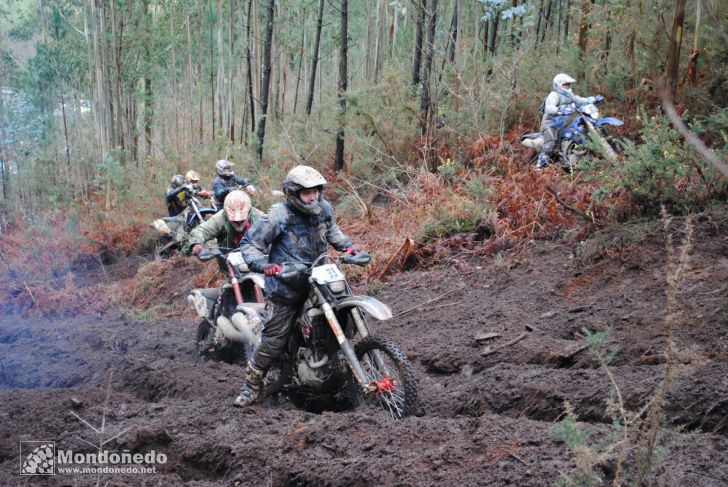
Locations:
(556, 108)
(228, 226)
(298, 230)
(227, 181)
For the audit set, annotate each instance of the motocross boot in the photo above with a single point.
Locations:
(251, 390)
(543, 161)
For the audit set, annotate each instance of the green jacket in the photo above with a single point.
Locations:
(218, 227)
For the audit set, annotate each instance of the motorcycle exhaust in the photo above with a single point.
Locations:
(229, 330)
(246, 327)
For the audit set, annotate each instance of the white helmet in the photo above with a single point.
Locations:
(557, 85)
(299, 178)
(237, 207)
(192, 177)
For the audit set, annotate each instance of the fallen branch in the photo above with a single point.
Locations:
(569, 207)
(509, 344)
(426, 302)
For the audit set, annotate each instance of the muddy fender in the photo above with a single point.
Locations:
(372, 306)
(162, 227)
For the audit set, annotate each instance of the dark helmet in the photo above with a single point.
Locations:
(300, 178)
(178, 181)
(224, 168)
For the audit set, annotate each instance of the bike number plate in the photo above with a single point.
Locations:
(235, 259)
(327, 274)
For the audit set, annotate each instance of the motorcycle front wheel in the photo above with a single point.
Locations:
(388, 368)
(163, 250)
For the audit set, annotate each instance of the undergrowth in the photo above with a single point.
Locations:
(638, 442)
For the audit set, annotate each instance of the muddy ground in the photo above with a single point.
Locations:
(489, 407)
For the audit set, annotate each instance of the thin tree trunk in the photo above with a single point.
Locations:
(673, 53)
(538, 25)
(547, 20)
(300, 59)
(148, 101)
(692, 72)
(607, 37)
(566, 23)
(231, 78)
(367, 45)
(379, 48)
(315, 58)
(343, 75)
(265, 86)
(584, 26)
(249, 63)
(425, 100)
(65, 133)
(417, 55)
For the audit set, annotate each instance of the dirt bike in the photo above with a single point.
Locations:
(571, 135)
(231, 313)
(174, 230)
(320, 365)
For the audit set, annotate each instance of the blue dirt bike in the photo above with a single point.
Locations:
(576, 122)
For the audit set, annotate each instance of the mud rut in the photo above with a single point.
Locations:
(488, 401)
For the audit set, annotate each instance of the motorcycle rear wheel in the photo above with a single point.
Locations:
(231, 353)
(401, 400)
(162, 250)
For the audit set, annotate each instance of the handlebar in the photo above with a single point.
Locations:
(290, 270)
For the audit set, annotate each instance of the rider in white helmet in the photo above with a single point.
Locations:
(227, 226)
(297, 230)
(556, 109)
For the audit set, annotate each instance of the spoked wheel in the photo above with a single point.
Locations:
(388, 369)
(162, 249)
(570, 156)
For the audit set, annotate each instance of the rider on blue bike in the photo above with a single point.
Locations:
(556, 109)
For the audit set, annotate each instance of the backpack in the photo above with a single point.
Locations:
(542, 109)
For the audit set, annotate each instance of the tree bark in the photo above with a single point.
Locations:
(249, 69)
(547, 20)
(584, 26)
(315, 58)
(673, 53)
(343, 75)
(425, 100)
(417, 55)
(265, 85)
(692, 72)
(300, 59)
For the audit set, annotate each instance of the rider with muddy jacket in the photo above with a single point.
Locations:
(227, 181)
(298, 230)
(555, 112)
(227, 226)
(175, 195)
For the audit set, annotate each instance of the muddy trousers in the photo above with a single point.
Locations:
(550, 136)
(275, 335)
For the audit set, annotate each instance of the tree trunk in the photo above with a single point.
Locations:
(425, 100)
(379, 48)
(300, 59)
(249, 69)
(607, 38)
(343, 75)
(692, 72)
(538, 25)
(673, 53)
(265, 85)
(547, 20)
(584, 26)
(417, 55)
(231, 78)
(148, 101)
(566, 22)
(315, 58)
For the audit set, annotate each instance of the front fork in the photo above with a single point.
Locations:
(346, 347)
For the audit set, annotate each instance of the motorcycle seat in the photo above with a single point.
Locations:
(210, 293)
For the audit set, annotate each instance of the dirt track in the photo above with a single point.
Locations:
(488, 410)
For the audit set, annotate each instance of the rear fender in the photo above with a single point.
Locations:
(372, 306)
(608, 121)
(532, 141)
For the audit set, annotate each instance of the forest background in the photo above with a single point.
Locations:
(412, 109)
